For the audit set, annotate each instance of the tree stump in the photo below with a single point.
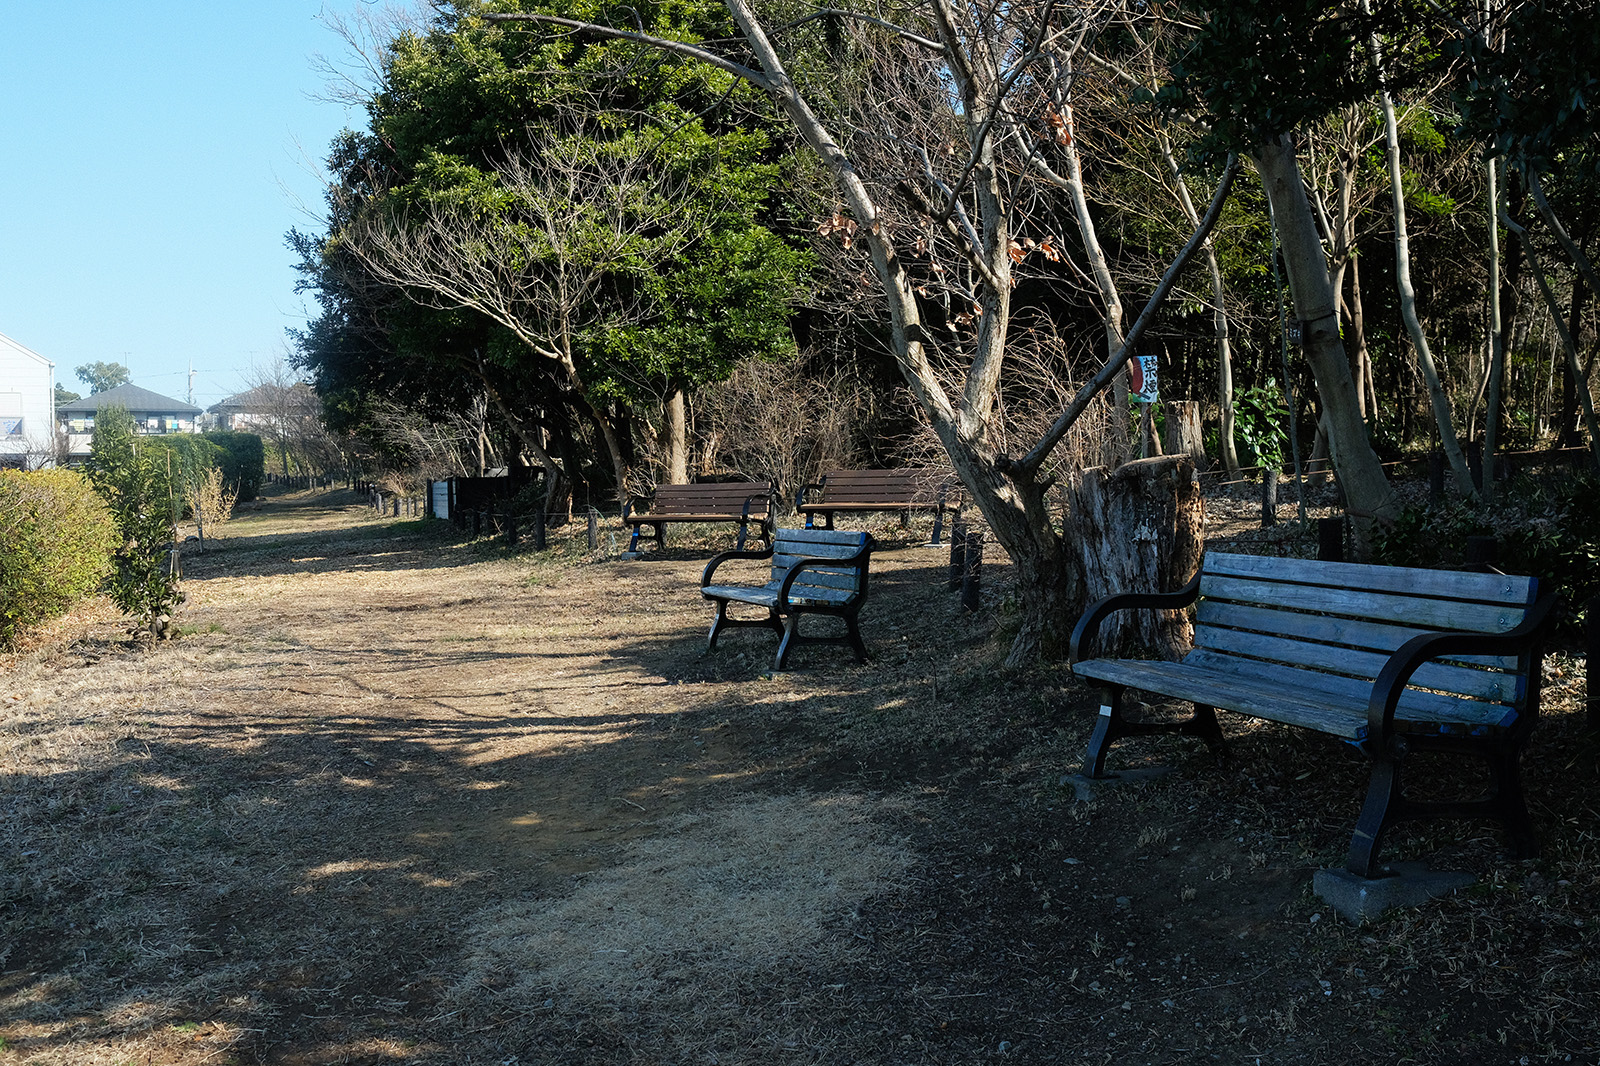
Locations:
(1184, 435)
(1138, 528)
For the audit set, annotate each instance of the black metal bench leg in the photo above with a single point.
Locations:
(853, 634)
(1378, 813)
(1105, 731)
(1204, 725)
(791, 636)
(738, 545)
(1513, 808)
(633, 545)
(716, 624)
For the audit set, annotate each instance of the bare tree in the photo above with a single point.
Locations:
(583, 213)
(938, 198)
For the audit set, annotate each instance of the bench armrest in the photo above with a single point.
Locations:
(1396, 673)
(858, 561)
(1087, 631)
(719, 559)
(800, 497)
(754, 496)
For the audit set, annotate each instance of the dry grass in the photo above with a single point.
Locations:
(398, 797)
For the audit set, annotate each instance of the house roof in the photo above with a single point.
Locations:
(136, 400)
(24, 349)
(265, 399)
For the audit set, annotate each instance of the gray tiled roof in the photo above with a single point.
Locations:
(138, 401)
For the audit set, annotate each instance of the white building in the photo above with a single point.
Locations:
(153, 415)
(27, 407)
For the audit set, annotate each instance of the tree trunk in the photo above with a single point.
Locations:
(1437, 397)
(1360, 357)
(1366, 489)
(1497, 338)
(1139, 528)
(1227, 451)
(675, 439)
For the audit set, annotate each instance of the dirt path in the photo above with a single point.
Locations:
(398, 798)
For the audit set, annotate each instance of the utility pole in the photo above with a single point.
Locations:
(191, 383)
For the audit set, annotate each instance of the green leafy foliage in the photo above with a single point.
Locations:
(1260, 418)
(56, 538)
(137, 486)
(243, 460)
(100, 376)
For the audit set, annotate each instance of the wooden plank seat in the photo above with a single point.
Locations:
(745, 502)
(814, 571)
(857, 491)
(1393, 660)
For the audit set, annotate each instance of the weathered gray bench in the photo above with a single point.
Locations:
(859, 491)
(814, 571)
(745, 502)
(1393, 660)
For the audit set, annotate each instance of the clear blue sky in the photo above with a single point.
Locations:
(155, 154)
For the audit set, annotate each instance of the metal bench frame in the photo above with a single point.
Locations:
(1393, 660)
(860, 491)
(814, 571)
(709, 501)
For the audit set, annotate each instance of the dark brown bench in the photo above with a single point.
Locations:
(745, 502)
(858, 491)
(1393, 660)
(814, 571)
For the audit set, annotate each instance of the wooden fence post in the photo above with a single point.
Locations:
(538, 530)
(594, 529)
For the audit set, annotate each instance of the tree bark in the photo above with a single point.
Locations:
(675, 439)
(1361, 476)
(1139, 528)
(1184, 435)
(1497, 339)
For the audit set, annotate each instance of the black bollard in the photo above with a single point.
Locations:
(1269, 498)
(538, 530)
(972, 571)
(1330, 539)
(958, 552)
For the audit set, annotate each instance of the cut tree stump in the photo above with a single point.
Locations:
(1184, 435)
(1139, 528)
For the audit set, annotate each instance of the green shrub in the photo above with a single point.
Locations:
(138, 487)
(243, 460)
(56, 539)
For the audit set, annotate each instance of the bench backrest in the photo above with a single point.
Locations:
(714, 498)
(907, 485)
(1278, 616)
(789, 546)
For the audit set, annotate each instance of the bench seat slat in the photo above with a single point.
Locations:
(808, 541)
(1371, 636)
(1419, 704)
(1363, 665)
(1416, 611)
(1275, 697)
(1508, 590)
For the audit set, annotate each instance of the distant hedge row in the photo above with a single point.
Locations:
(56, 539)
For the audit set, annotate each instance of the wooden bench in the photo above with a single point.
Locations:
(744, 502)
(853, 491)
(814, 571)
(1393, 660)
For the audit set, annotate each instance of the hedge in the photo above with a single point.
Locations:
(56, 539)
